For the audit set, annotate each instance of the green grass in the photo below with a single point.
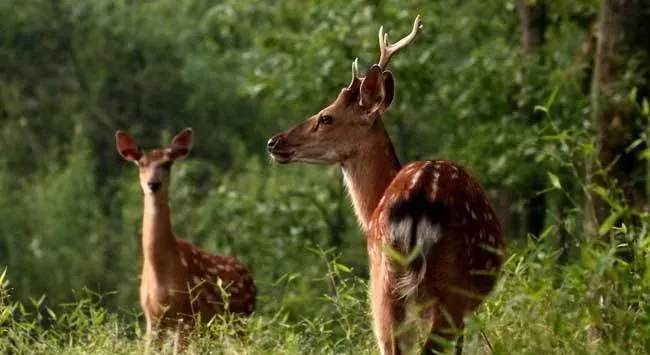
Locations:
(539, 307)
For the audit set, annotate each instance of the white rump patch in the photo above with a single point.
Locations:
(427, 235)
(401, 230)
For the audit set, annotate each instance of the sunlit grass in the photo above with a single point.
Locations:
(539, 307)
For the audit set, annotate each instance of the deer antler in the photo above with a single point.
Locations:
(356, 79)
(387, 50)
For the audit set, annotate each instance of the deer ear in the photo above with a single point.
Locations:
(181, 144)
(127, 147)
(376, 92)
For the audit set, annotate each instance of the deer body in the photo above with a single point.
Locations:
(437, 210)
(433, 239)
(180, 283)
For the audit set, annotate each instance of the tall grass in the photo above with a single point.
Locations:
(539, 307)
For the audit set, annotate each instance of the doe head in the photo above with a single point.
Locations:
(154, 165)
(346, 126)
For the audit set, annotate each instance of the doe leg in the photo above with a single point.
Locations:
(181, 334)
(152, 335)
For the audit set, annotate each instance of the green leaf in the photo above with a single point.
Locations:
(608, 223)
(341, 267)
(645, 154)
(645, 107)
(539, 108)
(634, 144)
(632, 95)
(51, 313)
(551, 99)
(555, 181)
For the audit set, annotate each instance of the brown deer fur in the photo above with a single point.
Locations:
(432, 213)
(179, 281)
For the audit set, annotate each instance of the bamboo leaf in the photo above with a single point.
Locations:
(555, 181)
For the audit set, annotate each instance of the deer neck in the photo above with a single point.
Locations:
(368, 173)
(157, 238)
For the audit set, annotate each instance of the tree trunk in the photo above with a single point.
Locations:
(533, 23)
(623, 41)
(532, 17)
(623, 38)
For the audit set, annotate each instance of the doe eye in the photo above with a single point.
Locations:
(325, 119)
(166, 165)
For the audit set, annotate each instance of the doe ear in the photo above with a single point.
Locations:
(127, 147)
(181, 144)
(377, 90)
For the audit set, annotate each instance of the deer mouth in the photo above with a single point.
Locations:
(282, 157)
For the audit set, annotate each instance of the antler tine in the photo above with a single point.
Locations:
(387, 50)
(355, 74)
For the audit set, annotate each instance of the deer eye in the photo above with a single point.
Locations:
(166, 165)
(325, 119)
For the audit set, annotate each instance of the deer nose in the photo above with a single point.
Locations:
(154, 185)
(272, 142)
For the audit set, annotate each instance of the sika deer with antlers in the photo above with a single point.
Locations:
(179, 281)
(432, 213)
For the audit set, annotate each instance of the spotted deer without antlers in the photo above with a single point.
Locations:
(434, 242)
(180, 283)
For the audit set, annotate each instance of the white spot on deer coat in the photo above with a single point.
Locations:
(436, 176)
(415, 178)
(183, 261)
